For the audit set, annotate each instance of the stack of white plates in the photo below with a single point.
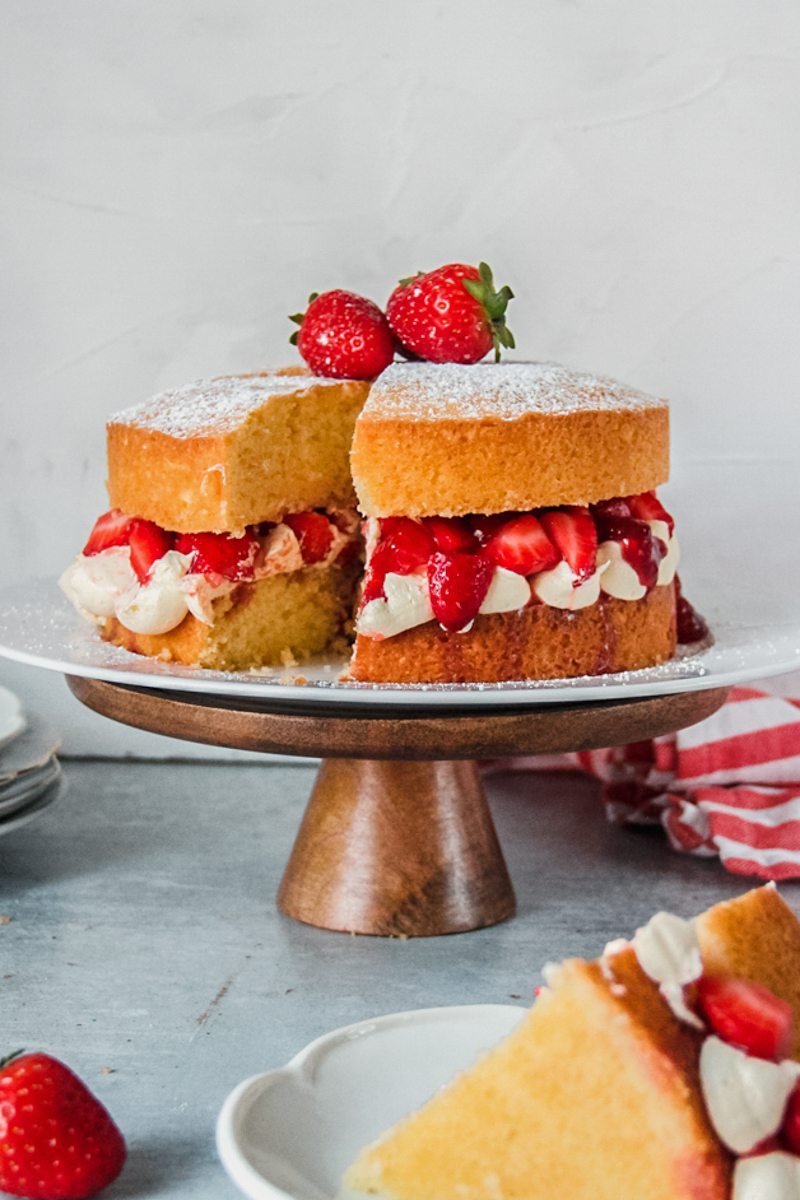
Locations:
(30, 774)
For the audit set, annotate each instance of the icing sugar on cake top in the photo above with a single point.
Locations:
(212, 406)
(505, 391)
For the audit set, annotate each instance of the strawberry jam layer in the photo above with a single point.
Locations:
(149, 578)
(450, 569)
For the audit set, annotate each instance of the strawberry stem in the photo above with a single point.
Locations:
(10, 1058)
(494, 305)
(298, 318)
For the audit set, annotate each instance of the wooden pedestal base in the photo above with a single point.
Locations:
(397, 848)
(397, 839)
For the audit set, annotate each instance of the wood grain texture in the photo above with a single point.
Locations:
(339, 731)
(398, 849)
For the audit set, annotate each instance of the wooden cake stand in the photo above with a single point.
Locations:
(397, 838)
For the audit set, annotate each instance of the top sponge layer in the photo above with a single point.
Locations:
(495, 437)
(225, 453)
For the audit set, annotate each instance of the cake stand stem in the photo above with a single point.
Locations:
(397, 848)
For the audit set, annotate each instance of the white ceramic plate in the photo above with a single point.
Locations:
(12, 718)
(291, 1133)
(39, 627)
(24, 788)
(35, 808)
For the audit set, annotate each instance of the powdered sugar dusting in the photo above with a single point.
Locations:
(505, 391)
(213, 405)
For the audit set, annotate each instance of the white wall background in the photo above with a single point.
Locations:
(175, 178)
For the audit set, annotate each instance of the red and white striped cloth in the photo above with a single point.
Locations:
(729, 786)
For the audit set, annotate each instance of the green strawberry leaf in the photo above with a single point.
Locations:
(494, 305)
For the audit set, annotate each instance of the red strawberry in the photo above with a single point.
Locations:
(343, 336)
(57, 1141)
(522, 545)
(573, 532)
(611, 508)
(647, 507)
(747, 1015)
(148, 543)
(458, 584)
(485, 525)
(450, 533)
(452, 314)
(220, 554)
(409, 544)
(313, 532)
(403, 546)
(111, 529)
(791, 1121)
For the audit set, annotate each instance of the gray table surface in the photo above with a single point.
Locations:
(144, 946)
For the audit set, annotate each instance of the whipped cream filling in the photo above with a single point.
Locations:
(745, 1097)
(105, 585)
(669, 953)
(406, 606)
(559, 588)
(407, 602)
(774, 1176)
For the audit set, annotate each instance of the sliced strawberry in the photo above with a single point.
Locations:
(791, 1121)
(458, 585)
(409, 544)
(220, 554)
(747, 1015)
(404, 545)
(573, 532)
(148, 543)
(314, 533)
(112, 529)
(450, 533)
(617, 507)
(636, 542)
(522, 545)
(485, 525)
(647, 507)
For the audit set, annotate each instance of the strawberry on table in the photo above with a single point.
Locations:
(458, 585)
(111, 529)
(148, 543)
(57, 1141)
(313, 532)
(573, 532)
(748, 1015)
(521, 545)
(343, 336)
(220, 554)
(452, 314)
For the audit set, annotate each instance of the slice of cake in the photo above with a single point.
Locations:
(513, 527)
(665, 1070)
(233, 541)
